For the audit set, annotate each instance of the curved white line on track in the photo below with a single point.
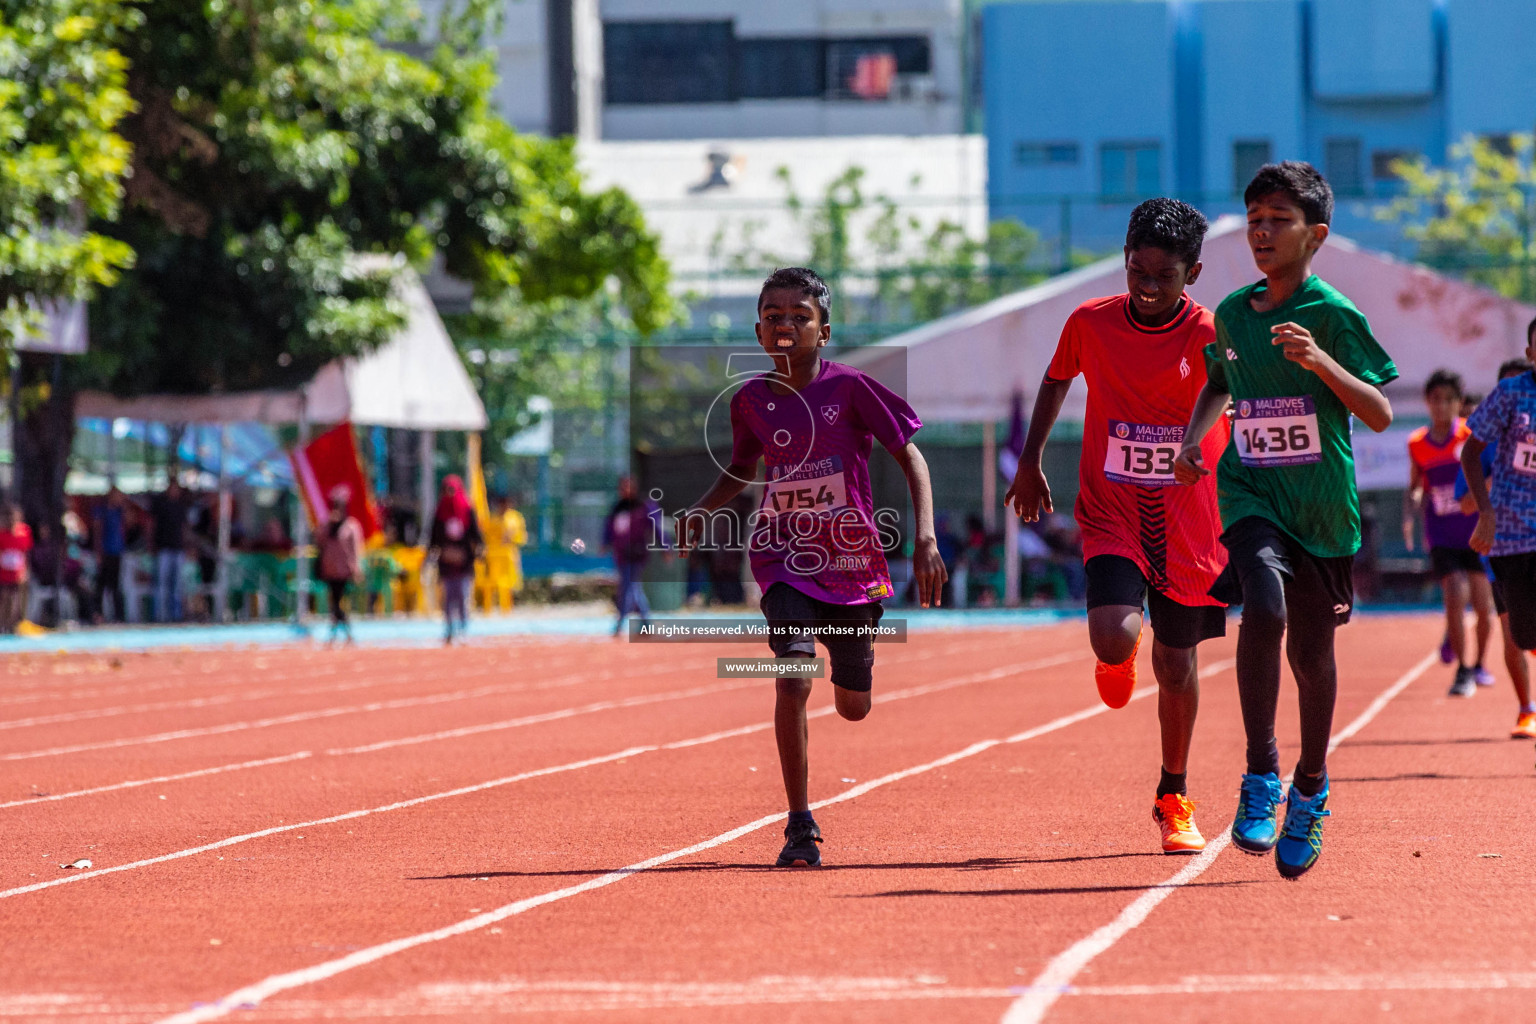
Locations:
(135, 783)
(1056, 979)
(253, 995)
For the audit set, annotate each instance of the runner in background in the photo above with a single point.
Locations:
(1434, 459)
(628, 534)
(1516, 660)
(456, 541)
(340, 559)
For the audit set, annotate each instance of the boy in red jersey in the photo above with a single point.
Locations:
(1145, 539)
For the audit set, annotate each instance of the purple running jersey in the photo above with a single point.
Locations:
(817, 528)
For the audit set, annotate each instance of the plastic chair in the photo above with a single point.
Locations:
(380, 578)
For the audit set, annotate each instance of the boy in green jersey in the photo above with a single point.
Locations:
(1295, 359)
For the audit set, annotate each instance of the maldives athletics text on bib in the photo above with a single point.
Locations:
(1277, 431)
(1139, 453)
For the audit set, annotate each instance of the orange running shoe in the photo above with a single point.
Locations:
(1117, 682)
(1525, 727)
(1176, 814)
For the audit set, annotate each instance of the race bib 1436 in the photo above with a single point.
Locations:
(1272, 432)
(1141, 454)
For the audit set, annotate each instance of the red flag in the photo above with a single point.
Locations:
(326, 463)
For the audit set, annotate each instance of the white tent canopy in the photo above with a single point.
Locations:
(414, 381)
(967, 367)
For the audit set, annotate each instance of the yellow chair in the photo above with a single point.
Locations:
(494, 580)
(409, 594)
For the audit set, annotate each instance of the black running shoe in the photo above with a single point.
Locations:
(1465, 684)
(800, 839)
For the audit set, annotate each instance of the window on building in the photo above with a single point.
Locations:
(668, 61)
(866, 69)
(1248, 155)
(1383, 163)
(1046, 154)
(1129, 170)
(777, 69)
(1341, 165)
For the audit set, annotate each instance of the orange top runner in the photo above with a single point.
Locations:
(1142, 384)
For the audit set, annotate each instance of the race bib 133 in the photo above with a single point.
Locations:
(1141, 454)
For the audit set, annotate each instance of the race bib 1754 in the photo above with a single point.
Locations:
(825, 491)
(1141, 454)
(1272, 432)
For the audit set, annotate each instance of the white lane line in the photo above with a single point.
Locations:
(253, 995)
(549, 717)
(1236, 983)
(495, 689)
(1056, 979)
(333, 819)
(135, 783)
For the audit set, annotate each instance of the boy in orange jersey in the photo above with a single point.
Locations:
(1145, 538)
(1434, 459)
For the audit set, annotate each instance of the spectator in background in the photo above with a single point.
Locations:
(109, 528)
(50, 560)
(271, 539)
(340, 559)
(627, 534)
(168, 520)
(15, 543)
(456, 541)
(729, 555)
(514, 534)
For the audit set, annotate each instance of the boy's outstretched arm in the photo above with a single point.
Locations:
(1366, 401)
(1211, 403)
(927, 567)
(1029, 494)
(726, 486)
(1477, 489)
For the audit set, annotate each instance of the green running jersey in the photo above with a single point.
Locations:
(1290, 459)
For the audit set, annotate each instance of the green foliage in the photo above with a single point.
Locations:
(277, 142)
(1476, 216)
(63, 90)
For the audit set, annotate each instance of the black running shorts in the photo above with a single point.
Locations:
(1516, 577)
(1116, 580)
(793, 618)
(1254, 542)
(1444, 561)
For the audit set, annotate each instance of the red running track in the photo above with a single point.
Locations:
(579, 830)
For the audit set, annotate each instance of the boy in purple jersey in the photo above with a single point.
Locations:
(814, 541)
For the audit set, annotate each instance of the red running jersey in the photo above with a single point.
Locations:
(1142, 384)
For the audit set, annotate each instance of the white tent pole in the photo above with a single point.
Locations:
(221, 572)
(301, 522)
(989, 475)
(112, 453)
(426, 489)
(1011, 561)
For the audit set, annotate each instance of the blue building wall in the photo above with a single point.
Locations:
(1219, 86)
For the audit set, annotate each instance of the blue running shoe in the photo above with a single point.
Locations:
(1301, 840)
(1253, 830)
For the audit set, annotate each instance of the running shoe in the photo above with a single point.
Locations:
(1175, 813)
(1481, 676)
(1253, 830)
(1447, 652)
(1301, 840)
(1525, 727)
(1463, 685)
(1117, 682)
(800, 839)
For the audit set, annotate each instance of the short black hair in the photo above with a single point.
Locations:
(1299, 180)
(1530, 332)
(807, 282)
(1170, 225)
(1444, 379)
(1515, 367)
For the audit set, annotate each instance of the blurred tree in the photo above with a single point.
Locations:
(1477, 216)
(63, 90)
(274, 142)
